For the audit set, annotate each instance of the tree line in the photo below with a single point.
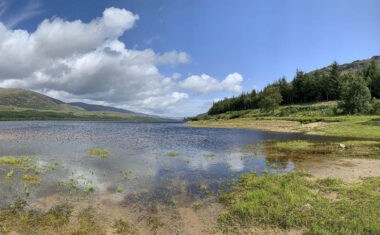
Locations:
(357, 91)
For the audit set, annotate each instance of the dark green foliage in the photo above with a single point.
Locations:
(355, 94)
(270, 98)
(243, 102)
(375, 106)
(372, 77)
(326, 84)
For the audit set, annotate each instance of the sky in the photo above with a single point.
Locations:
(175, 57)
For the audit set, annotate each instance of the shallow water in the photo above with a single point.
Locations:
(138, 162)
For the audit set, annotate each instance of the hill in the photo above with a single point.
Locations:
(355, 65)
(20, 104)
(21, 98)
(95, 107)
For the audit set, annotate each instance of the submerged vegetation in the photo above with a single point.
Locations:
(294, 200)
(13, 160)
(172, 154)
(101, 153)
(32, 179)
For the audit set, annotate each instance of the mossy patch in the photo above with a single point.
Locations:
(100, 152)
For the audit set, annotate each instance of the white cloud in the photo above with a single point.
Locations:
(206, 84)
(77, 61)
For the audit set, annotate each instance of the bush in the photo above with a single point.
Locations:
(375, 106)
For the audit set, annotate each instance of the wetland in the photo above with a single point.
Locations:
(72, 177)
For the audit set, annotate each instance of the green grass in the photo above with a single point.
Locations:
(293, 144)
(13, 160)
(361, 126)
(101, 153)
(295, 201)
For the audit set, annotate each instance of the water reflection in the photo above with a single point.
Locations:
(139, 163)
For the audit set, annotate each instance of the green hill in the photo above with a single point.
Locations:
(21, 98)
(19, 104)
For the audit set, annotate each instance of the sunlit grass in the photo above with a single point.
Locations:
(293, 144)
(295, 201)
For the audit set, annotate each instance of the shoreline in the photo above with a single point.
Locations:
(364, 127)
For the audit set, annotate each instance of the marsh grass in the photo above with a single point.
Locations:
(123, 227)
(300, 149)
(208, 155)
(10, 173)
(102, 153)
(87, 223)
(32, 179)
(13, 160)
(23, 221)
(293, 144)
(294, 200)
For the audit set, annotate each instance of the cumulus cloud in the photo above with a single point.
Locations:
(77, 61)
(206, 84)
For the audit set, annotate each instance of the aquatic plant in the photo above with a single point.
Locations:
(207, 155)
(172, 154)
(155, 222)
(13, 160)
(119, 189)
(10, 173)
(101, 153)
(32, 179)
(203, 187)
(90, 188)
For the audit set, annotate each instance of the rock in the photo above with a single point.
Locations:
(342, 146)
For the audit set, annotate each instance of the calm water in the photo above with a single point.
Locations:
(138, 162)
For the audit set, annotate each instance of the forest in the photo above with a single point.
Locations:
(357, 91)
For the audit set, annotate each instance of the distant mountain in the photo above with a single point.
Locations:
(355, 65)
(21, 98)
(94, 107)
(20, 104)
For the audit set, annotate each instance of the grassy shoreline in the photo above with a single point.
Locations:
(307, 119)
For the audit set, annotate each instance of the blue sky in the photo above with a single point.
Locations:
(258, 40)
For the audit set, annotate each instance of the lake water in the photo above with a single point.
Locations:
(138, 167)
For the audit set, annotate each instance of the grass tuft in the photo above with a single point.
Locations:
(13, 160)
(32, 179)
(101, 153)
(172, 154)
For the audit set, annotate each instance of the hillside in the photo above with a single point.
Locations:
(21, 98)
(94, 107)
(355, 65)
(19, 104)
